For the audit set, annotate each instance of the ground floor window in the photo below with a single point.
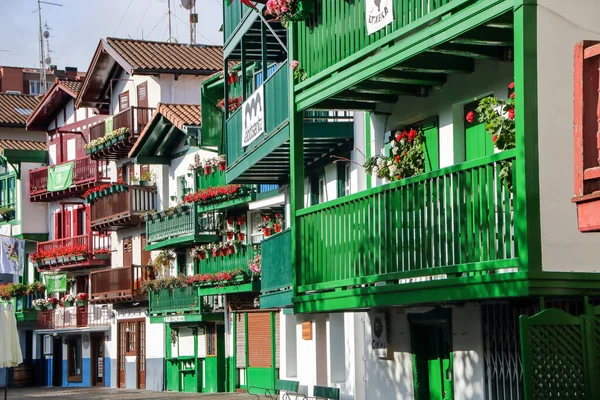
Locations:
(74, 359)
(211, 340)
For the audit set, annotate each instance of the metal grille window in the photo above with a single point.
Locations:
(211, 339)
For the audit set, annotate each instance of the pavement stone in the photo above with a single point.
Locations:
(52, 393)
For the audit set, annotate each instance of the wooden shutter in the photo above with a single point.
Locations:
(124, 101)
(67, 228)
(57, 225)
(146, 255)
(478, 143)
(127, 252)
(142, 94)
(76, 224)
(260, 351)
(240, 340)
(431, 146)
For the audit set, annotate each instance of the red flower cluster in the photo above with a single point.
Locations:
(65, 251)
(102, 188)
(81, 296)
(211, 194)
(234, 103)
(511, 113)
(470, 116)
(410, 135)
(52, 300)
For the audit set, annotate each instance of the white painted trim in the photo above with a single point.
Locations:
(271, 201)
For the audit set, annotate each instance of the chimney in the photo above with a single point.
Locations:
(71, 72)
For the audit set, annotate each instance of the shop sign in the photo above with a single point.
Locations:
(379, 13)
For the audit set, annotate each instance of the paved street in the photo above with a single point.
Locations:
(44, 393)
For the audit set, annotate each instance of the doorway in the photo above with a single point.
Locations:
(431, 342)
(97, 360)
(57, 362)
(131, 343)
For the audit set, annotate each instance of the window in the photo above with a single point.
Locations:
(131, 338)
(587, 144)
(127, 252)
(35, 87)
(7, 190)
(124, 101)
(74, 359)
(211, 339)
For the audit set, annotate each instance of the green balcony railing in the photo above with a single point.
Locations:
(216, 178)
(185, 225)
(453, 222)
(233, 13)
(23, 305)
(213, 265)
(276, 114)
(178, 300)
(337, 29)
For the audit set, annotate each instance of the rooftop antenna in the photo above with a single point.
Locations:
(191, 6)
(43, 83)
(170, 38)
(46, 35)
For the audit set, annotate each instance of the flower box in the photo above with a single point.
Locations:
(102, 256)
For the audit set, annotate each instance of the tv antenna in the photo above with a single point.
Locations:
(43, 35)
(170, 39)
(191, 6)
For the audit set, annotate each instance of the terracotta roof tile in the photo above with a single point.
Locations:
(146, 55)
(73, 85)
(181, 114)
(11, 144)
(16, 108)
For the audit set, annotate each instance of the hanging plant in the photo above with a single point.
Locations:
(499, 118)
(285, 11)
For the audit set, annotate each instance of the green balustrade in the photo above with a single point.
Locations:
(177, 300)
(337, 29)
(454, 222)
(171, 226)
(233, 13)
(276, 258)
(229, 262)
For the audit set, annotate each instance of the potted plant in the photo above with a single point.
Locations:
(147, 178)
(81, 299)
(52, 303)
(230, 233)
(40, 304)
(207, 165)
(68, 300)
(162, 263)
(255, 265)
(267, 231)
(241, 235)
(216, 250)
(198, 253)
(222, 163)
(241, 220)
(230, 219)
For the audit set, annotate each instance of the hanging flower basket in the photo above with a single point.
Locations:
(216, 252)
(230, 235)
(222, 165)
(241, 235)
(207, 170)
(202, 255)
(52, 303)
(277, 228)
(231, 250)
(241, 220)
(230, 220)
(267, 232)
(82, 303)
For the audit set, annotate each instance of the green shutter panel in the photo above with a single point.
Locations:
(431, 146)
(478, 143)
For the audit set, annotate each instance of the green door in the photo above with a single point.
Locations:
(478, 143)
(431, 338)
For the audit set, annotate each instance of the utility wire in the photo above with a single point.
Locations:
(143, 16)
(122, 17)
(157, 24)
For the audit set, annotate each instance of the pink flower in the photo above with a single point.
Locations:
(512, 95)
(511, 113)
(494, 138)
(294, 64)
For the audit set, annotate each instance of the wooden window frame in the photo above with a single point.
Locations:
(74, 377)
(128, 337)
(125, 94)
(5, 195)
(586, 118)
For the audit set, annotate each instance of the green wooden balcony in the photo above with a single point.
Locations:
(233, 14)
(276, 276)
(443, 235)
(178, 300)
(180, 228)
(213, 265)
(23, 305)
(266, 159)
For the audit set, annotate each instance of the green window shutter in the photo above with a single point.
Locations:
(341, 179)
(431, 144)
(478, 143)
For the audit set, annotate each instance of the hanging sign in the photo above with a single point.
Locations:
(379, 342)
(12, 256)
(60, 177)
(379, 13)
(56, 283)
(253, 117)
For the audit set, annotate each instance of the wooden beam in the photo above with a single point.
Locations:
(486, 37)
(476, 52)
(364, 97)
(409, 78)
(437, 64)
(376, 87)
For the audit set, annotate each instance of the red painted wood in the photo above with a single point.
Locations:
(592, 51)
(67, 225)
(57, 225)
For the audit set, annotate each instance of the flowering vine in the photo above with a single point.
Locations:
(406, 158)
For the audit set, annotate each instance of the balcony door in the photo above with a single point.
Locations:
(131, 343)
(478, 143)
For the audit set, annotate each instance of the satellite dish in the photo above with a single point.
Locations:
(46, 34)
(48, 60)
(187, 4)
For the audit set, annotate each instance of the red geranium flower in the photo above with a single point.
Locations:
(512, 95)
(494, 138)
(397, 158)
(511, 86)
(470, 116)
(511, 113)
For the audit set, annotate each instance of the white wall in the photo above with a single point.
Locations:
(33, 216)
(561, 25)
(22, 134)
(467, 344)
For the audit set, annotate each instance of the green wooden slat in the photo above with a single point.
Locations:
(507, 221)
(448, 212)
(419, 224)
(469, 242)
(492, 225)
(442, 215)
(435, 221)
(500, 213)
(404, 226)
(457, 217)
(411, 226)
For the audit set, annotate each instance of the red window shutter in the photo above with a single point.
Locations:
(57, 225)
(146, 255)
(67, 229)
(87, 219)
(76, 223)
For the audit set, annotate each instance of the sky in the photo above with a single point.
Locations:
(77, 27)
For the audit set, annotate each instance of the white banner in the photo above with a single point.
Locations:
(379, 342)
(379, 13)
(12, 256)
(253, 117)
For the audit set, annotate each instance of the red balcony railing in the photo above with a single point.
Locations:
(122, 209)
(118, 284)
(75, 317)
(86, 173)
(97, 245)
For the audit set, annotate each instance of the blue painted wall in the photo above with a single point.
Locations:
(48, 371)
(107, 371)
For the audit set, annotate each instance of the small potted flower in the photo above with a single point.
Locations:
(255, 265)
(231, 248)
(52, 303)
(81, 299)
(278, 223)
(222, 163)
(216, 250)
(198, 252)
(230, 219)
(40, 304)
(241, 220)
(207, 167)
(241, 235)
(230, 234)
(68, 300)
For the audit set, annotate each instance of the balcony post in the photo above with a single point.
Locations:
(296, 163)
(527, 192)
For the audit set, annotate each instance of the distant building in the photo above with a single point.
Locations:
(19, 80)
